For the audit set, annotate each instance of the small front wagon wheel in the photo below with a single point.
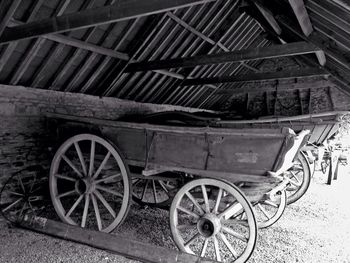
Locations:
(90, 183)
(205, 220)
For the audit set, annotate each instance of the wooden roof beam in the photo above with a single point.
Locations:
(269, 18)
(8, 15)
(286, 87)
(292, 49)
(92, 17)
(302, 16)
(302, 73)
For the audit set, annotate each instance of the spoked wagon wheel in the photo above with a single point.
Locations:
(22, 194)
(89, 183)
(156, 191)
(210, 225)
(268, 212)
(299, 178)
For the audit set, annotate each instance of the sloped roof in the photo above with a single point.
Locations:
(98, 59)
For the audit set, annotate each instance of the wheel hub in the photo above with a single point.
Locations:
(86, 185)
(209, 225)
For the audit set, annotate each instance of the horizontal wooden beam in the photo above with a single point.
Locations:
(122, 10)
(292, 49)
(291, 74)
(293, 86)
(111, 242)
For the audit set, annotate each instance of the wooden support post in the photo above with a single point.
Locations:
(114, 243)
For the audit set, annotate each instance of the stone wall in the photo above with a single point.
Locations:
(25, 138)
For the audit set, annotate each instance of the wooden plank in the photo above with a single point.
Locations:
(299, 85)
(115, 243)
(269, 18)
(292, 49)
(258, 77)
(123, 10)
(8, 15)
(302, 16)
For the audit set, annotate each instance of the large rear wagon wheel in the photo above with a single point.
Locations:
(300, 178)
(89, 183)
(205, 221)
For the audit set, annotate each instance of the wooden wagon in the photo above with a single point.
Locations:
(212, 177)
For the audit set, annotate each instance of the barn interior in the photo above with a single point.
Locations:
(117, 59)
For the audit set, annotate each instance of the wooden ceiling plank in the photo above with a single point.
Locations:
(292, 49)
(93, 17)
(302, 73)
(302, 16)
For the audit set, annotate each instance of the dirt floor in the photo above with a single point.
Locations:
(314, 229)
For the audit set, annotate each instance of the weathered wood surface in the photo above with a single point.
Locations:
(321, 125)
(110, 242)
(232, 154)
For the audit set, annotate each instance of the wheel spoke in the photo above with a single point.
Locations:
(204, 248)
(231, 211)
(236, 222)
(228, 245)
(92, 158)
(71, 210)
(75, 169)
(66, 194)
(164, 187)
(188, 212)
(294, 183)
(108, 178)
(21, 183)
(217, 250)
(218, 199)
(296, 177)
(234, 233)
(64, 177)
(81, 158)
(194, 201)
(102, 165)
(97, 212)
(205, 197)
(105, 203)
(12, 205)
(144, 189)
(14, 193)
(86, 209)
(191, 240)
(109, 191)
(268, 202)
(154, 191)
(263, 210)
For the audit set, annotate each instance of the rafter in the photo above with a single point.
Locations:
(286, 87)
(92, 17)
(8, 15)
(302, 16)
(303, 73)
(269, 18)
(293, 49)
